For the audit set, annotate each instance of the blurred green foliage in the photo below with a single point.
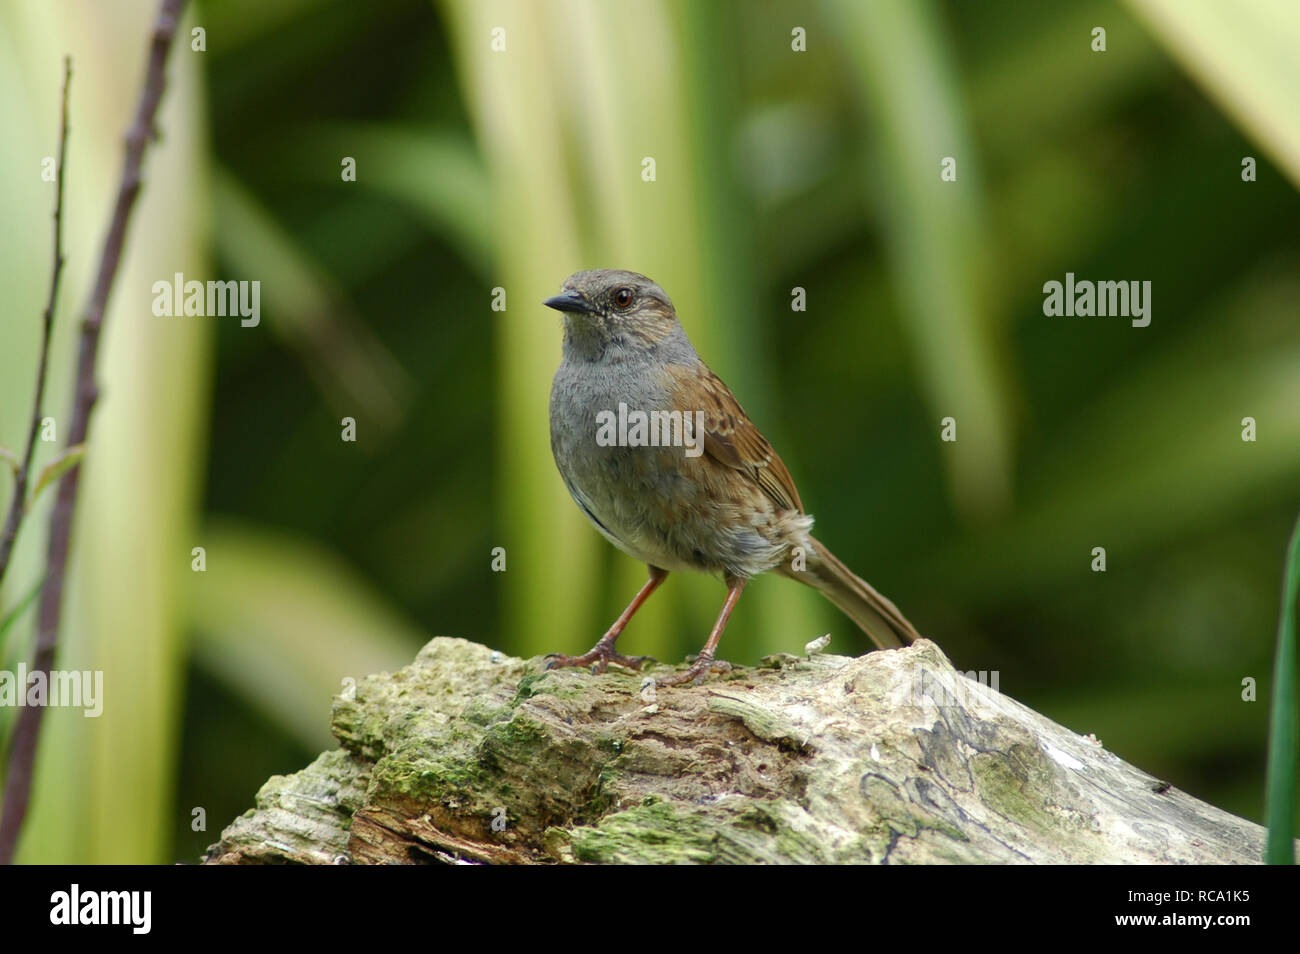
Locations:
(774, 169)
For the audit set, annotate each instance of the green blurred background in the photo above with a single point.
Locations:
(479, 169)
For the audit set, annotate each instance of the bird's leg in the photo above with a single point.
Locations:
(604, 653)
(704, 662)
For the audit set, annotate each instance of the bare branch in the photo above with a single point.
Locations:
(18, 506)
(18, 778)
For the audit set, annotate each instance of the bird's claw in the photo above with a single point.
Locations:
(695, 674)
(598, 658)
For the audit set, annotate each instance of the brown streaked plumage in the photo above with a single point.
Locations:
(724, 504)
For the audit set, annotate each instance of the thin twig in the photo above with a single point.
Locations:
(18, 506)
(18, 778)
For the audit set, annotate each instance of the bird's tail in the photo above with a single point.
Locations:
(875, 615)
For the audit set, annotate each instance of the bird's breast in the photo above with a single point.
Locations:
(634, 462)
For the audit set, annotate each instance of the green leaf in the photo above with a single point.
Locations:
(350, 364)
(55, 469)
(395, 161)
(1282, 748)
(13, 615)
(1243, 56)
(283, 622)
(904, 69)
(1082, 484)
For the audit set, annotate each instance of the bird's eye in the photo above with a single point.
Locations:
(623, 297)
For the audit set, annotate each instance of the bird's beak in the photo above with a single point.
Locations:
(570, 301)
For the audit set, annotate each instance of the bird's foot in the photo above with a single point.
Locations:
(703, 665)
(598, 658)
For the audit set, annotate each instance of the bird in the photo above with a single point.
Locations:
(664, 462)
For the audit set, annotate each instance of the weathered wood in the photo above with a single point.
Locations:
(470, 756)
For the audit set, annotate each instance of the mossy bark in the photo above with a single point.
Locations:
(470, 756)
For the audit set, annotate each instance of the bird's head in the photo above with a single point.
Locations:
(612, 307)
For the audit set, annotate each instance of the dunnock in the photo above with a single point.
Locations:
(720, 501)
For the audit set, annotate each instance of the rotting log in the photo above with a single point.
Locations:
(471, 756)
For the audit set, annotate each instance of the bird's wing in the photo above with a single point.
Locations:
(731, 438)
